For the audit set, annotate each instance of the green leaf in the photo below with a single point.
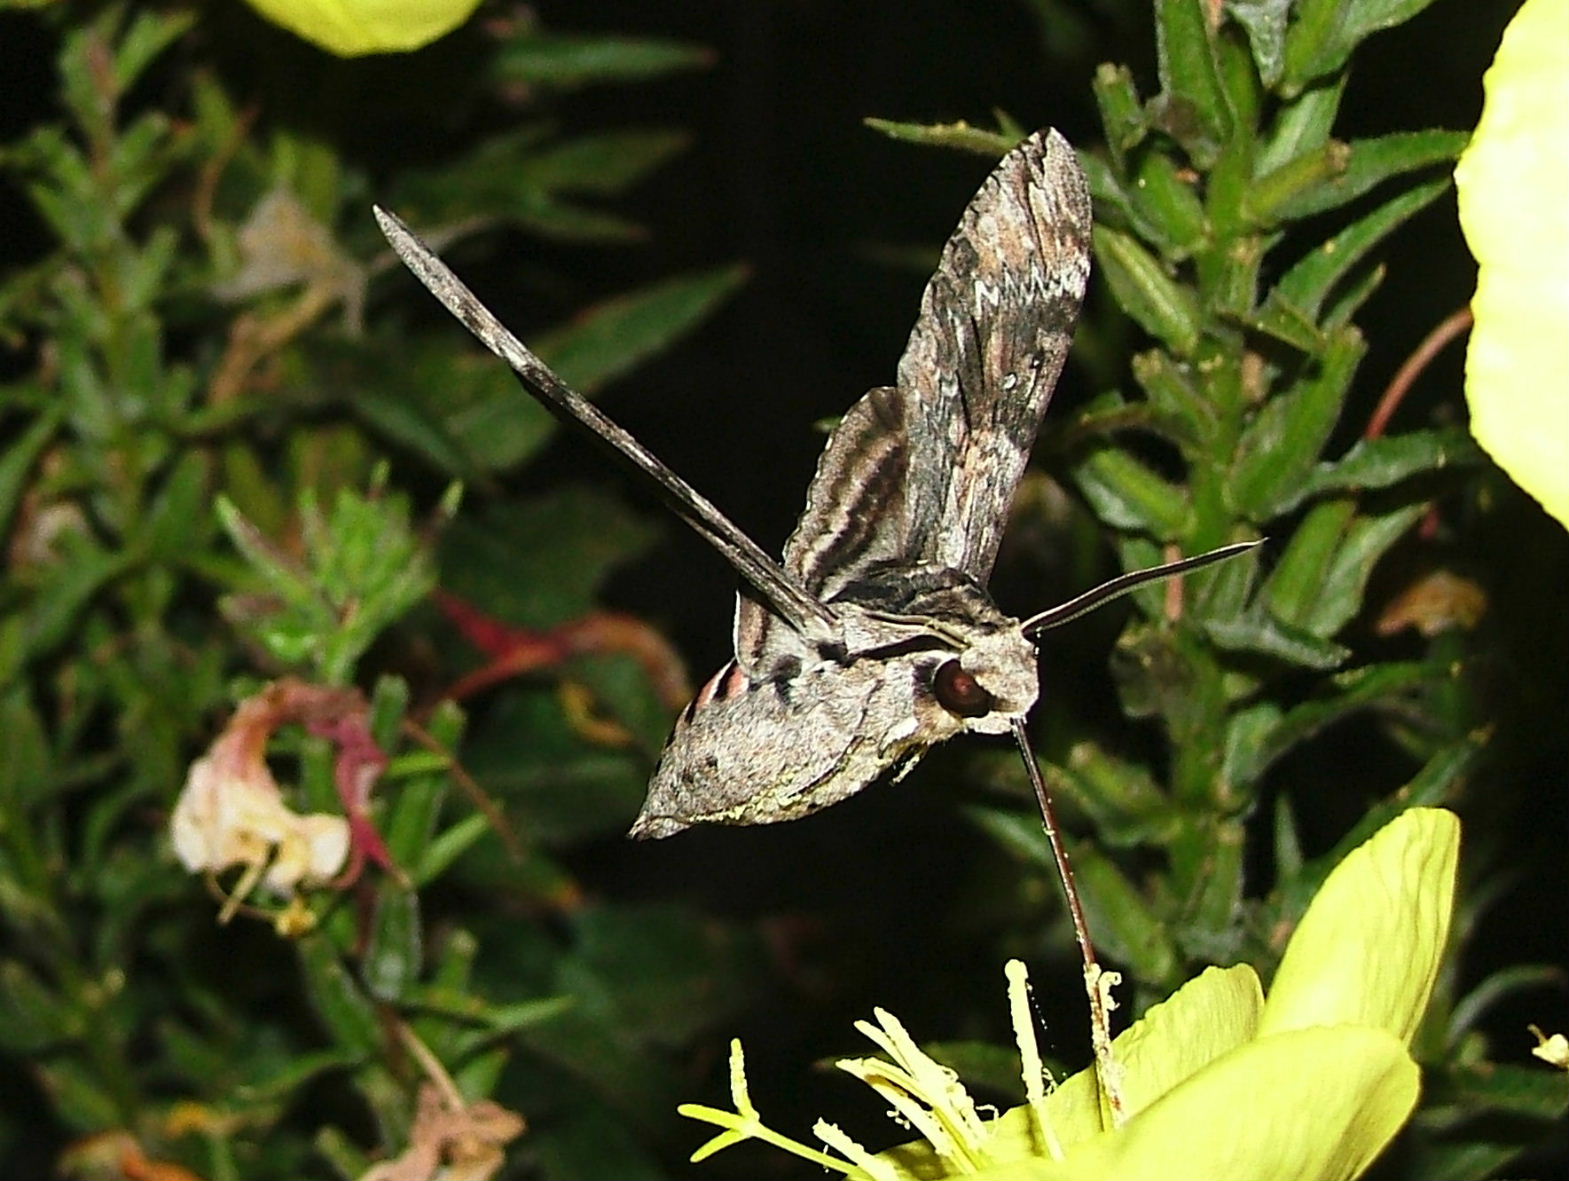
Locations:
(564, 60)
(1290, 325)
(33, 1017)
(1166, 199)
(17, 460)
(1345, 581)
(1518, 1090)
(1265, 24)
(469, 414)
(1468, 1010)
(284, 1081)
(505, 1019)
(1260, 635)
(1245, 730)
(460, 409)
(1306, 286)
(80, 1099)
(1171, 389)
(280, 573)
(1123, 921)
(412, 820)
(27, 771)
(447, 846)
(144, 39)
(1195, 108)
(1302, 125)
(1272, 196)
(1269, 739)
(177, 521)
(1286, 437)
(1435, 784)
(337, 998)
(346, 1158)
(1388, 460)
(394, 952)
(1351, 295)
(564, 222)
(612, 337)
(84, 570)
(1297, 581)
(1114, 206)
(960, 136)
(606, 164)
(981, 1064)
(1365, 164)
(538, 562)
(1163, 307)
(1019, 833)
(527, 178)
(1128, 806)
(640, 965)
(1126, 494)
(1326, 31)
(1319, 582)
(1122, 115)
(1488, 1113)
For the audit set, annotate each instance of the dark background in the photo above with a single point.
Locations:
(833, 220)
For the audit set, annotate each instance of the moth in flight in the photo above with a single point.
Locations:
(874, 638)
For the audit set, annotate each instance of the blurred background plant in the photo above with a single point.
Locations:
(232, 437)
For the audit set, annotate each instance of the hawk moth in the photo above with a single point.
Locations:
(874, 638)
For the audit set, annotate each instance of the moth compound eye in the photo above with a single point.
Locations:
(960, 693)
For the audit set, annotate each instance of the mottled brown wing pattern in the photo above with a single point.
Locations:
(985, 354)
(924, 473)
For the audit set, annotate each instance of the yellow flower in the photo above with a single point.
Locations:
(1513, 188)
(350, 28)
(1218, 1082)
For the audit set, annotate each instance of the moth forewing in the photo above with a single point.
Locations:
(803, 610)
(988, 346)
(875, 638)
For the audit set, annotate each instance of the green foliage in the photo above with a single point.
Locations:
(1242, 238)
(232, 434)
(181, 497)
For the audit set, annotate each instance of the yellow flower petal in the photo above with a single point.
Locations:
(1208, 1016)
(1218, 1082)
(1513, 189)
(1314, 1104)
(1202, 1021)
(1368, 949)
(350, 28)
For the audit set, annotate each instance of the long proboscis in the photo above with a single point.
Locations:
(1100, 1018)
(1123, 583)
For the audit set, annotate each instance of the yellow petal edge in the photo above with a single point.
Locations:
(1513, 189)
(352, 28)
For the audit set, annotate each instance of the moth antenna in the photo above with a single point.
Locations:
(1096, 981)
(1123, 583)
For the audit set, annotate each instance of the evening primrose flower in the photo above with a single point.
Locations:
(1218, 1081)
(1513, 188)
(350, 28)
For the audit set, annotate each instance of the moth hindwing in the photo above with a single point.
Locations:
(874, 638)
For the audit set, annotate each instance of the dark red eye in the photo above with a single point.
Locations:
(960, 693)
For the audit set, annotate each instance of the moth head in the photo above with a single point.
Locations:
(988, 684)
